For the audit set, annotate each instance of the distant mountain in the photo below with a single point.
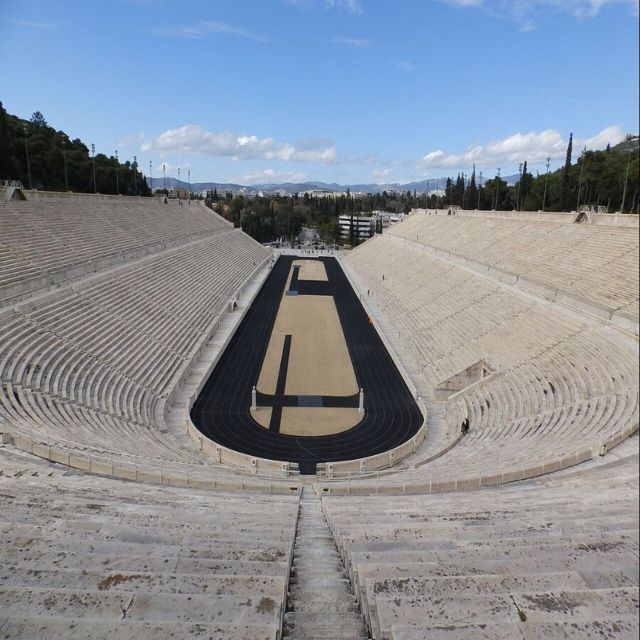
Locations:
(432, 184)
(172, 183)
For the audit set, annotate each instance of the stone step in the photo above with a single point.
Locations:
(491, 631)
(25, 560)
(621, 571)
(12, 576)
(16, 534)
(558, 606)
(82, 548)
(336, 584)
(139, 606)
(322, 602)
(616, 629)
(38, 628)
(325, 548)
(341, 626)
(561, 606)
(464, 586)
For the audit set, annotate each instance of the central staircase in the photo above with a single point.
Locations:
(321, 603)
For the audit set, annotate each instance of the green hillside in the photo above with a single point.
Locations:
(48, 150)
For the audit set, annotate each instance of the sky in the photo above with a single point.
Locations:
(347, 91)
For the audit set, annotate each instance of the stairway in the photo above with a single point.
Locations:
(321, 603)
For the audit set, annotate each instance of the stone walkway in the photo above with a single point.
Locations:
(321, 603)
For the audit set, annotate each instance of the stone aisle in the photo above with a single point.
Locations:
(321, 604)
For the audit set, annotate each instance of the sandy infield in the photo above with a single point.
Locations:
(319, 363)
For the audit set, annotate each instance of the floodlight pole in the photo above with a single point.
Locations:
(151, 176)
(64, 161)
(26, 146)
(178, 177)
(580, 180)
(117, 182)
(93, 164)
(135, 175)
(626, 177)
(518, 191)
(189, 182)
(546, 179)
(164, 177)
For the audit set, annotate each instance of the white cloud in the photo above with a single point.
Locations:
(208, 27)
(406, 65)
(350, 6)
(271, 175)
(527, 26)
(378, 174)
(32, 25)
(523, 10)
(169, 168)
(358, 43)
(132, 141)
(533, 147)
(463, 3)
(609, 135)
(191, 138)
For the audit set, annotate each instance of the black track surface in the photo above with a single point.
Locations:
(221, 411)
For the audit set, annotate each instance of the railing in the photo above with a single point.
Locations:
(461, 477)
(455, 477)
(8, 184)
(144, 468)
(361, 467)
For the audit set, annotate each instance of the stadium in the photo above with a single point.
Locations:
(433, 435)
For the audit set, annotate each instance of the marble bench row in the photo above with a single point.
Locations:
(532, 559)
(596, 262)
(88, 557)
(42, 243)
(90, 363)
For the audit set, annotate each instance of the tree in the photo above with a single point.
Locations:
(448, 192)
(565, 194)
(37, 119)
(7, 161)
(471, 195)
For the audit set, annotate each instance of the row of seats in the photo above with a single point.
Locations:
(550, 558)
(592, 262)
(51, 239)
(560, 384)
(92, 363)
(88, 557)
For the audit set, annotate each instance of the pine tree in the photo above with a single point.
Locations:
(448, 192)
(37, 119)
(7, 162)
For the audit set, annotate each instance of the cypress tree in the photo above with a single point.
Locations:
(471, 196)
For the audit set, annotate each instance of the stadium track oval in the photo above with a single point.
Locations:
(222, 410)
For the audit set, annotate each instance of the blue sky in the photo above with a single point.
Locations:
(350, 91)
